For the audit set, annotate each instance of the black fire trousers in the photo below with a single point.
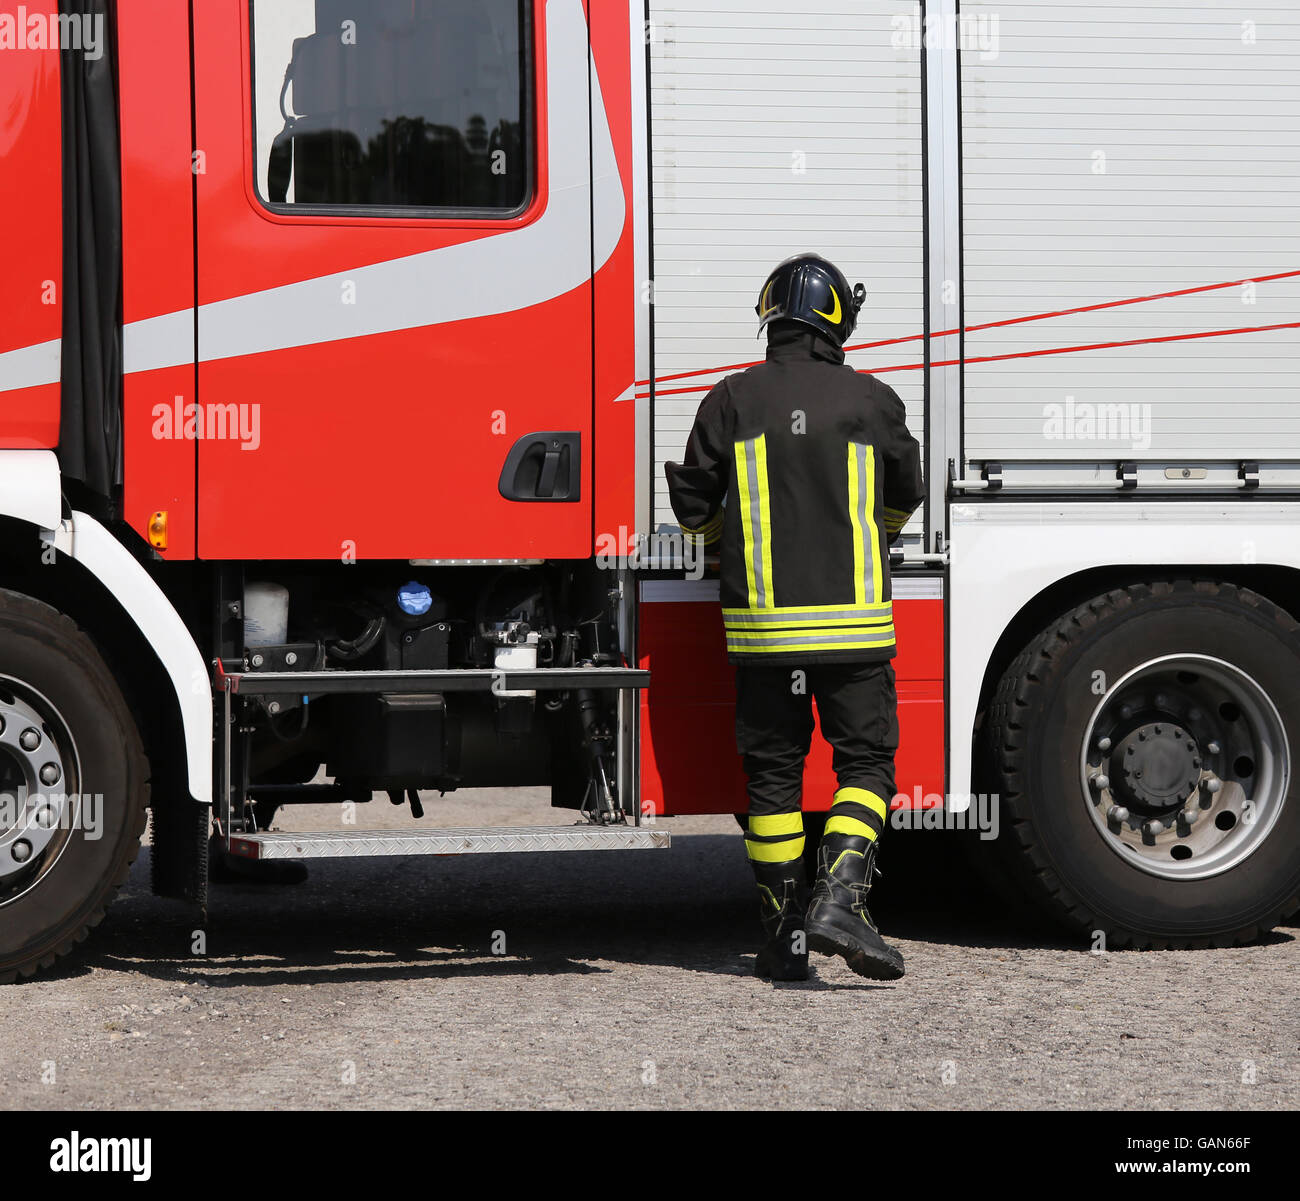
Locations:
(858, 709)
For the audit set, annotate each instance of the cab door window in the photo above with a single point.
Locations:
(392, 104)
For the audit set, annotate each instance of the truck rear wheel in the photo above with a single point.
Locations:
(73, 786)
(1143, 749)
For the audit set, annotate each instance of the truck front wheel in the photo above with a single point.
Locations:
(1142, 746)
(73, 786)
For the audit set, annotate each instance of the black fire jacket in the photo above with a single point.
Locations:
(804, 470)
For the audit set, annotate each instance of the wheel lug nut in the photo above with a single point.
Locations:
(29, 739)
(50, 773)
(1103, 744)
(1118, 815)
(21, 850)
(1126, 711)
(1154, 827)
(1190, 814)
(1101, 780)
(1213, 747)
(1213, 784)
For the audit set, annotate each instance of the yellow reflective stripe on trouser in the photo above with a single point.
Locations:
(775, 837)
(862, 514)
(755, 519)
(850, 825)
(864, 797)
(859, 812)
(772, 825)
(785, 851)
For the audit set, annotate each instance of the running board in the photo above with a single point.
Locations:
(498, 680)
(487, 840)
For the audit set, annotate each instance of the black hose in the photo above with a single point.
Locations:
(347, 652)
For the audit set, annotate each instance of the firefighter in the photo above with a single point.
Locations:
(802, 471)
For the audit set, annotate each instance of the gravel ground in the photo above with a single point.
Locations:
(625, 983)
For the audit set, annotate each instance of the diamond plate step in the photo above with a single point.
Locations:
(487, 840)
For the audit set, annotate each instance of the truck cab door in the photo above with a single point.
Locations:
(394, 269)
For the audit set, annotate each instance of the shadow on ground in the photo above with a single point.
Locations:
(691, 906)
(401, 919)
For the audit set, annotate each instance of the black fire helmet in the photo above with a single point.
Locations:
(812, 290)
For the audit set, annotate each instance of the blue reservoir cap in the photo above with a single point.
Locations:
(414, 599)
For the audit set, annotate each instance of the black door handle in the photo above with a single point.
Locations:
(543, 466)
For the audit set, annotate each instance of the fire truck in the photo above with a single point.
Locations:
(343, 346)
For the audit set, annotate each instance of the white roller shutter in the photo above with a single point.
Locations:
(779, 128)
(1114, 151)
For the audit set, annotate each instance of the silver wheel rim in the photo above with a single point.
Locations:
(40, 776)
(1185, 766)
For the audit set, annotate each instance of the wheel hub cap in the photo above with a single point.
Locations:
(1185, 766)
(1160, 767)
(38, 782)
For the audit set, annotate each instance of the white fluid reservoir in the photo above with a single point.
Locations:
(266, 614)
(516, 658)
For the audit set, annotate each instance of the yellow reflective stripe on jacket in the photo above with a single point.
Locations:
(765, 514)
(896, 519)
(755, 519)
(778, 611)
(862, 515)
(801, 619)
(855, 508)
(761, 638)
(706, 533)
(785, 641)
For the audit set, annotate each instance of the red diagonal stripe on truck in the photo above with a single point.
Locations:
(1029, 354)
(943, 333)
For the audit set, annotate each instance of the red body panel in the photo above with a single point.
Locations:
(688, 758)
(157, 261)
(31, 213)
(389, 445)
(617, 295)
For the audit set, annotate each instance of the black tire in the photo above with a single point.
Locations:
(45, 914)
(1037, 723)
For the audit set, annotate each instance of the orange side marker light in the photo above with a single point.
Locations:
(158, 530)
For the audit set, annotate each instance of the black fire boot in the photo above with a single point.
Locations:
(783, 897)
(838, 922)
